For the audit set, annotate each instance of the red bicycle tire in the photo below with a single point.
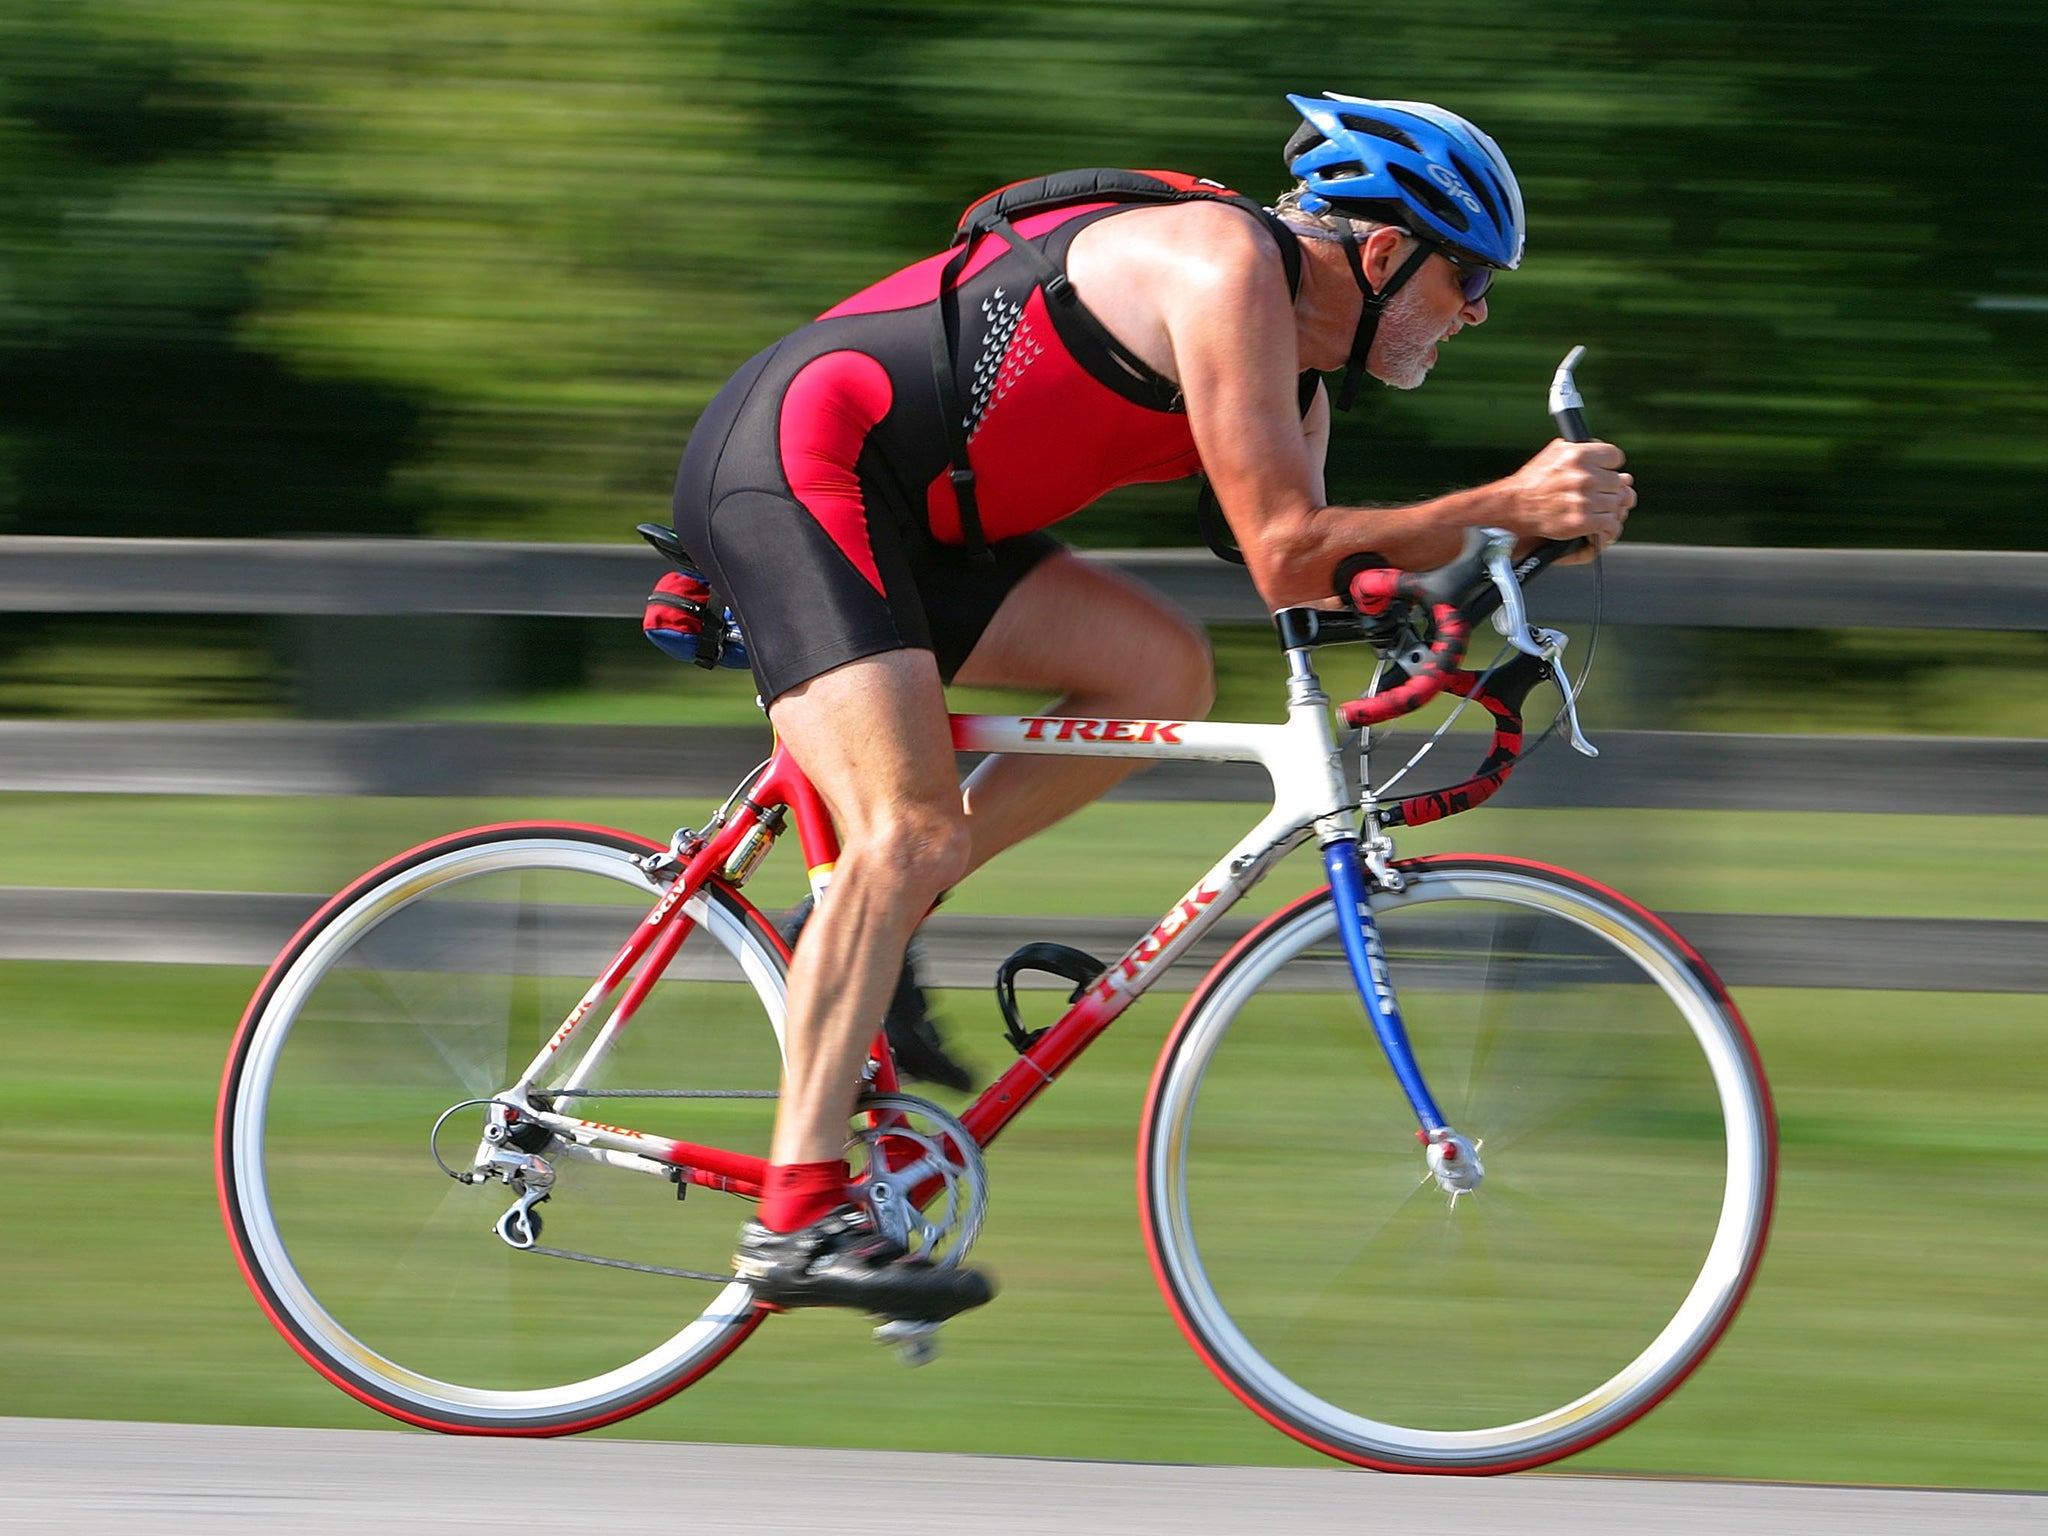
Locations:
(232, 1216)
(1150, 1129)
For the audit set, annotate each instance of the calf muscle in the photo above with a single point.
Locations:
(872, 736)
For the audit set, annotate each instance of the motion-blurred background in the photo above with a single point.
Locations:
(458, 270)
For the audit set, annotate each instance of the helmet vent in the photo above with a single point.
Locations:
(1304, 139)
(1430, 197)
(1409, 162)
(1380, 129)
(1480, 189)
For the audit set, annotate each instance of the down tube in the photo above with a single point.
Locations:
(1368, 959)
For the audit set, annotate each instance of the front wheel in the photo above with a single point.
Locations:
(1624, 1128)
(431, 985)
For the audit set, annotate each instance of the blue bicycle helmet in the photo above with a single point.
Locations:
(1409, 164)
(1412, 164)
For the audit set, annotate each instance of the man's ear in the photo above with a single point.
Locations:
(1383, 251)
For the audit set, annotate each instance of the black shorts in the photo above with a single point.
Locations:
(842, 564)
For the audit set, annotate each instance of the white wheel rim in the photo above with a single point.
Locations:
(729, 1309)
(1708, 1303)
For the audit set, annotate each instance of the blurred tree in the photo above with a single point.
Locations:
(1806, 250)
(137, 215)
(286, 255)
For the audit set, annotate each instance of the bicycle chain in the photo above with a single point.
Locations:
(645, 1269)
(656, 1093)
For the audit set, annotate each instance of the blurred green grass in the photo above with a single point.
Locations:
(1895, 1334)
(1128, 858)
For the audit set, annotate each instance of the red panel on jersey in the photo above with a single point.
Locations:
(1049, 438)
(827, 413)
(919, 283)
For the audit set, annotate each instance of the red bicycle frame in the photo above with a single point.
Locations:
(1310, 796)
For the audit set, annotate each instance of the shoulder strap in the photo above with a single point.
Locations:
(946, 343)
(1062, 189)
(992, 214)
(945, 347)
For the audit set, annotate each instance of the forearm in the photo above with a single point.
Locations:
(1296, 558)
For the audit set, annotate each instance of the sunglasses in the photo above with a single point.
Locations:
(1473, 281)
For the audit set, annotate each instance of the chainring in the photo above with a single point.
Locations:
(919, 1174)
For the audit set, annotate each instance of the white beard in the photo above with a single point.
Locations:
(1400, 348)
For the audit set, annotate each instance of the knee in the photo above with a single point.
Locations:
(923, 851)
(1179, 669)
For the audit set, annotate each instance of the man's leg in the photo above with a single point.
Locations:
(873, 739)
(1108, 646)
(1112, 648)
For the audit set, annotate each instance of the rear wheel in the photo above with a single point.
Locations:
(433, 982)
(1629, 1156)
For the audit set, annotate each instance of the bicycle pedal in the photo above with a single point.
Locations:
(915, 1342)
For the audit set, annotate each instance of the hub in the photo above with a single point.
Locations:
(1454, 1161)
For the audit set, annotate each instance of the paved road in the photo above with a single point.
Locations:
(92, 1479)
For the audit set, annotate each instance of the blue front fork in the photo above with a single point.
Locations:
(1368, 959)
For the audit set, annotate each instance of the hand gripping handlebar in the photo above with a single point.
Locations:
(1483, 577)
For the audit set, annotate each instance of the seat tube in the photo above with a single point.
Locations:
(1368, 959)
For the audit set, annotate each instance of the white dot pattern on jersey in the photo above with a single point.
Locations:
(1007, 349)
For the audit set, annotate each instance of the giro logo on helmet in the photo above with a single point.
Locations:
(1447, 178)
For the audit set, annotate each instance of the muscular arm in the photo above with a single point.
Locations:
(1315, 437)
(1225, 310)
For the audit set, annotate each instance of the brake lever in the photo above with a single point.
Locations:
(1511, 618)
(1551, 648)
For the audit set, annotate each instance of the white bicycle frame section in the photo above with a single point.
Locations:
(1313, 795)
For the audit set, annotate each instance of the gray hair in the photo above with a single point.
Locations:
(1328, 224)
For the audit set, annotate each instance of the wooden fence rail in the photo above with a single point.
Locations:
(1648, 585)
(1659, 584)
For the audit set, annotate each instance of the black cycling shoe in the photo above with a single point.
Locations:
(841, 1261)
(914, 1039)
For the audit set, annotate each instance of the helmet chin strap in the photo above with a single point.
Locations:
(1374, 305)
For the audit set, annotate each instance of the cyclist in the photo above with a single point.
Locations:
(872, 503)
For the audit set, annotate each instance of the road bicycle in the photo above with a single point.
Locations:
(1456, 1164)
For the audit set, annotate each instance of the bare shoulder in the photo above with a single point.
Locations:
(1211, 245)
(1152, 275)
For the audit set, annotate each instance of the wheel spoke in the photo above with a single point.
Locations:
(433, 986)
(1355, 1301)
(1496, 989)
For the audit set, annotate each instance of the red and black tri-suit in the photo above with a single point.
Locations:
(815, 492)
